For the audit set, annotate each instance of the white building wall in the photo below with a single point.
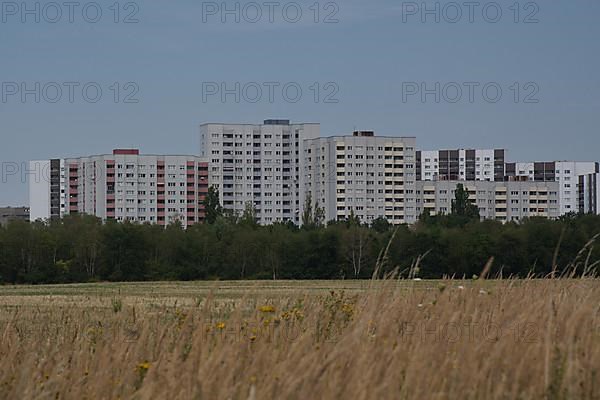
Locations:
(369, 176)
(567, 175)
(484, 164)
(429, 165)
(63, 188)
(137, 184)
(502, 201)
(258, 164)
(597, 192)
(41, 187)
(39, 190)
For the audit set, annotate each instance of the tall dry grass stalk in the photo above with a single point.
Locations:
(530, 339)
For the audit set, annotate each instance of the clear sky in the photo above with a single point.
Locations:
(364, 68)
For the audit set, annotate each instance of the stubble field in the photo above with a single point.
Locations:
(518, 339)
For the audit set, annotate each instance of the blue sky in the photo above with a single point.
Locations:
(375, 50)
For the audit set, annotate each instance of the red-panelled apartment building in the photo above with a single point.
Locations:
(123, 186)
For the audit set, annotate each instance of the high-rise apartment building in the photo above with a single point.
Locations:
(275, 166)
(461, 164)
(47, 189)
(502, 201)
(370, 176)
(123, 186)
(261, 165)
(578, 182)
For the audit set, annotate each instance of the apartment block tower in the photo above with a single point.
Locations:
(261, 165)
(578, 182)
(123, 186)
(461, 164)
(370, 176)
(501, 201)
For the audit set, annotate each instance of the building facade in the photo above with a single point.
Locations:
(502, 201)
(47, 189)
(123, 186)
(364, 174)
(8, 214)
(578, 182)
(461, 164)
(261, 165)
(275, 166)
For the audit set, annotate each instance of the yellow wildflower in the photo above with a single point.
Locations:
(347, 308)
(143, 367)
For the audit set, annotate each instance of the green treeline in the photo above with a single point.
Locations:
(83, 249)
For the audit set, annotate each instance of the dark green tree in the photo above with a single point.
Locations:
(80, 248)
(461, 206)
(212, 206)
(381, 224)
(312, 217)
(249, 215)
(307, 212)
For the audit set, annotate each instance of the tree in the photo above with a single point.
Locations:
(381, 224)
(243, 250)
(274, 247)
(85, 232)
(212, 206)
(352, 219)
(307, 215)
(425, 216)
(319, 214)
(312, 217)
(81, 248)
(249, 215)
(461, 206)
(355, 241)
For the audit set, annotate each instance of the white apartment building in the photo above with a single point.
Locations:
(578, 182)
(502, 201)
(259, 164)
(371, 176)
(123, 186)
(461, 164)
(47, 189)
(275, 165)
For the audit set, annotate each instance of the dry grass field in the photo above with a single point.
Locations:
(527, 339)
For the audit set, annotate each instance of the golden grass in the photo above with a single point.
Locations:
(295, 340)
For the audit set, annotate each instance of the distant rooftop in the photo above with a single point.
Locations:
(122, 152)
(284, 122)
(133, 152)
(363, 133)
(277, 122)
